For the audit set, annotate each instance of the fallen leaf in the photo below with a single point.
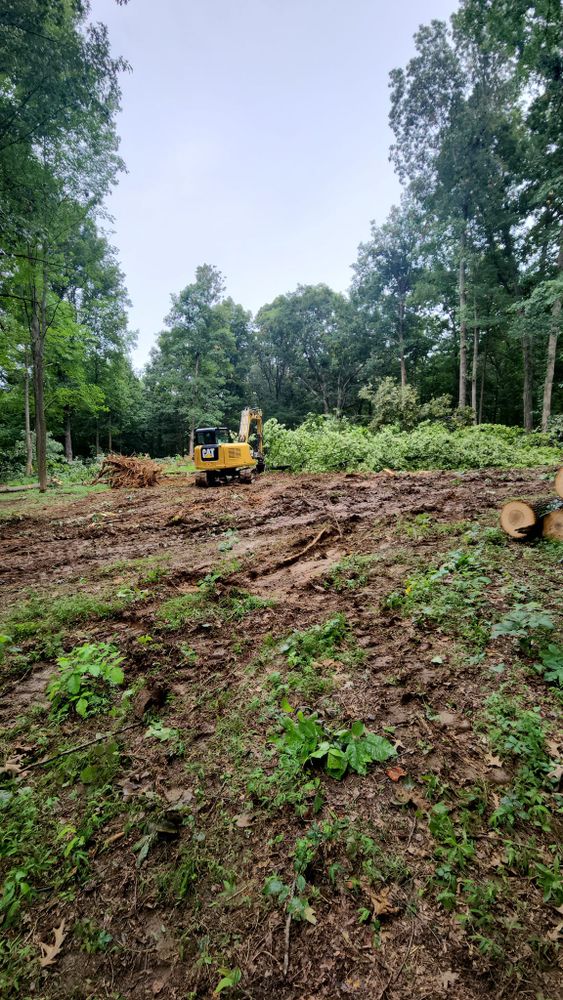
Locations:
(243, 821)
(448, 978)
(556, 773)
(395, 773)
(493, 761)
(178, 796)
(381, 904)
(11, 766)
(555, 933)
(50, 952)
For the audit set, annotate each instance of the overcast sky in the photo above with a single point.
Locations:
(255, 136)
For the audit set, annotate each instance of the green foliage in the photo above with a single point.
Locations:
(350, 573)
(43, 619)
(521, 734)
(93, 939)
(452, 596)
(524, 622)
(327, 445)
(316, 643)
(211, 603)
(229, 979)
(305, 740)
(551, 666)
(85, 678)
(400, 406)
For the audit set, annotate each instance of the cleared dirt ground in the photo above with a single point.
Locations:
(414, 891)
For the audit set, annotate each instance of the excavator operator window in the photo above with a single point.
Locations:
(211, 435)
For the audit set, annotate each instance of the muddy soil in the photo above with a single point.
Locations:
(280, 536)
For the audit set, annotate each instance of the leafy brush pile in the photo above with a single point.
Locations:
(329, 445)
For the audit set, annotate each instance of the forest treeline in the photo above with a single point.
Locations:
(454, 302)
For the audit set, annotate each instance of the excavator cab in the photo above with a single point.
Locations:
(218, 459)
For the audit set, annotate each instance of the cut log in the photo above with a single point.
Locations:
(559, 483)
(523, 519)
(19, 489)
(553, 524)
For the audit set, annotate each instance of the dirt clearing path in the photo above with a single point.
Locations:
(333, 762)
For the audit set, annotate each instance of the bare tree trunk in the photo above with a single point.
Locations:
(28, 438)
(98, 449)
(551, 352)
(462, 325)
(528, 393)
(68, 435)
(482, 393)
(475, 365)
(37, 353)
(402, 343)
(110, 440)
(193, 416)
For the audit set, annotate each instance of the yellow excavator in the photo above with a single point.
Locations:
(218, 459)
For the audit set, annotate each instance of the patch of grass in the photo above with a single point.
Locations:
(520, 734)
(212, 602)
(42, 619)
(452, 596)
(351, 573)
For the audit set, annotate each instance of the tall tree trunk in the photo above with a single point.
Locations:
(483, 377)
(552, 351)
(193, 415)
(110, 440)
(475, 365)
(37, 354)
(462, 323)
(28, 438)
(402, 343)
(68, 435)
(528, 393)
(97, 436)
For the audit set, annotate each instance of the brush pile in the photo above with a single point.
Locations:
(526, 519)
(125, 472)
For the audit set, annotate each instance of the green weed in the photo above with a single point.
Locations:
(350, 573)
(85, 678)
(451, 596)
(211, 603)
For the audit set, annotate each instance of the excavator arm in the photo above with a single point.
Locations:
(251, 419)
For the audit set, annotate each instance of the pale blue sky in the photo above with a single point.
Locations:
(256, 139)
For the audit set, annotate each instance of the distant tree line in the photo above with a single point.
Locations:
(457, 294)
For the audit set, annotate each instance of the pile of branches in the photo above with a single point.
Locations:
(124, 472)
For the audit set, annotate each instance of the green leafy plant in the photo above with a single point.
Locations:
(305, 740)
(296, 903)
(551, 666)
(451, 595)
(229, 979)
(524, 622)
(316, 643)
(85, 678)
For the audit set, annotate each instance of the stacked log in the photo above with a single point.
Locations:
(527, 519)
(126, 472)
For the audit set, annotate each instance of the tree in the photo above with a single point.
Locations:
(190, 367)
(58, 157)
(386, 273)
